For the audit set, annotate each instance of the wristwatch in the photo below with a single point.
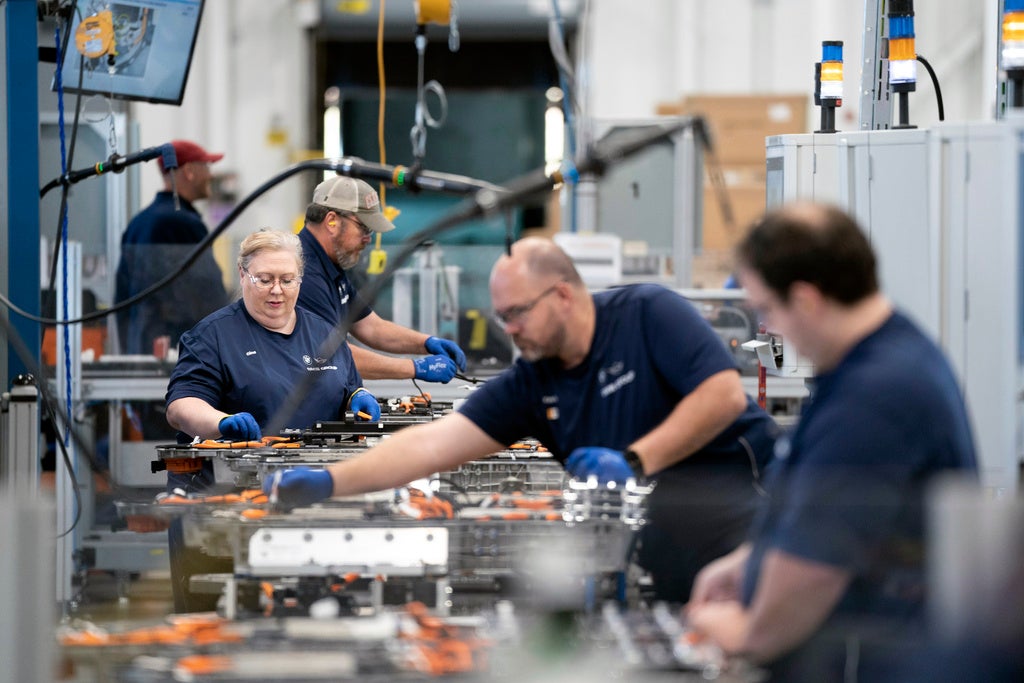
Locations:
(633, 460)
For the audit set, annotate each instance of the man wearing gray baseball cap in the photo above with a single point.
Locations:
(340, 221)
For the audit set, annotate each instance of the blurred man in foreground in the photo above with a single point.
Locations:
(830, 584)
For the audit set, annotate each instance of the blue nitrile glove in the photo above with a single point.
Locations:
(240, 427)
(365, 402)
(299, 487)
(434, 368)
(607, 463)
(448, 348)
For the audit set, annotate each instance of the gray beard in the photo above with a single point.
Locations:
(346, 260)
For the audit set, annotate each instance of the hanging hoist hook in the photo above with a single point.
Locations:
(442, 12)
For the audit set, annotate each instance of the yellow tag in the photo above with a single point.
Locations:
(478, 333)
(378, 259)
(353, 6)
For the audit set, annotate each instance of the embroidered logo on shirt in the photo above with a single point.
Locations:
(610, 388)
(250, 353)
(343, 294)
(551, 413)
(614, 369)
(319, 363)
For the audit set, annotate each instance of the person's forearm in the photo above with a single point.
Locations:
(413, 453)
(695, 421)
(195, 417)
(377, 366)
(793, 599)
(384, 335)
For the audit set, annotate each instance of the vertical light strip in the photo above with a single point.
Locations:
(902, 52)
(832, 70)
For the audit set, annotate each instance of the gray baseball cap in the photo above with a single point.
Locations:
(354, 196)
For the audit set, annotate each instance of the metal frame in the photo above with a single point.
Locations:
(875, 102)
(687, 198)
(68, 540)
(19, 449)
(22, 198)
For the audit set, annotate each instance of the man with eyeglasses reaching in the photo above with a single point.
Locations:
(340, 220)
(628, 382)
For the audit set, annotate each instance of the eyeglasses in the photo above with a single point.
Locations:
(363, 228)
(266, 281)
(514, 313)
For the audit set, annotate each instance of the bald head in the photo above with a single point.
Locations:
(542, 302)
(536, 258)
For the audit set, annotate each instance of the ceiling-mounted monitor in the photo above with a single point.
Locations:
(132, 49)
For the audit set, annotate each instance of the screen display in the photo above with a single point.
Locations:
(132, 49)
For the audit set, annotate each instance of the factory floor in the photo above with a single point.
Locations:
(109, 599)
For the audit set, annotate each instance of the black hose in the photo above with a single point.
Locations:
(935, 83)
(356, 168)
(486, 201)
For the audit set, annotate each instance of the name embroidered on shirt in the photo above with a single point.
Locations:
(309, 360)
(250, 353)
(622, 381)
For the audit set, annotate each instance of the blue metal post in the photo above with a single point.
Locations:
(21, 60)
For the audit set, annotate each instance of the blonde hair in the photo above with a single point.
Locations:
(268, 239)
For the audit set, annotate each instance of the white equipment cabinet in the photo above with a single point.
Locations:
(942, 208)
(881, 178)
(977, 178)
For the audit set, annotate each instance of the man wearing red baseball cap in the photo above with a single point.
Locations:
(157, 240)
(188, 152)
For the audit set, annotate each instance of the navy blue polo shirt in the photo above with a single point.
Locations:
(236, 365)
(325, 289)
(651, 348)
(846, 488)
(157, 240)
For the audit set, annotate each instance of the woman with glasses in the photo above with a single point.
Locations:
(246, 357)
(237, 367)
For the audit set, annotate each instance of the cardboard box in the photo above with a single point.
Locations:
(739, 124)
(744, 187)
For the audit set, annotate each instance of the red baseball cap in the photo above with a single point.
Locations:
(186, 151)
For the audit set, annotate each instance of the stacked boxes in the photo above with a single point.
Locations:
(738, 125)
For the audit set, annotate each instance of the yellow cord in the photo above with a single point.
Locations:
(380, 109)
